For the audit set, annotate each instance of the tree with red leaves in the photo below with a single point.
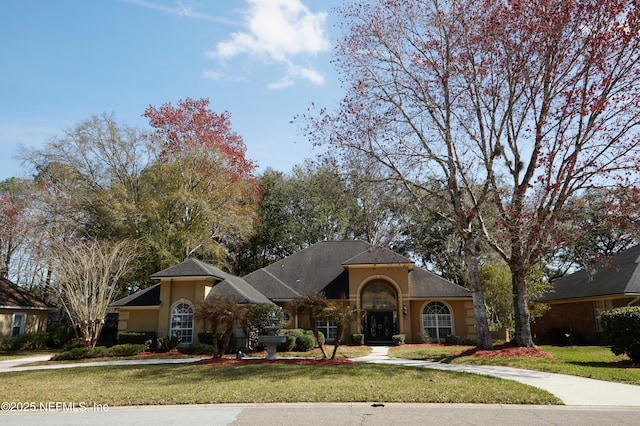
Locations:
(512, 106)
(210, 192)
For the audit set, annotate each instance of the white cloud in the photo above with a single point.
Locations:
(220, 75)
(280, 31)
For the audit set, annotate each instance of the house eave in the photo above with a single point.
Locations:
(29, 308)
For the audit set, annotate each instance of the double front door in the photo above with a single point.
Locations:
(379, 326)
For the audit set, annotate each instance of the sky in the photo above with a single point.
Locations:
(263, 61)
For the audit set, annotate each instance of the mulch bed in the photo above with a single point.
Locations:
(507, 350)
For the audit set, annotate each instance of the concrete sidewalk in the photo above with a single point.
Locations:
(572, 390)
(15, 364)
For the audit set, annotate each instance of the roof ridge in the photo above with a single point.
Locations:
(280, 281)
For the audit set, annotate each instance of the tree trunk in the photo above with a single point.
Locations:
(479, 309)
(316, 333)
(336, 345)
(522, 336)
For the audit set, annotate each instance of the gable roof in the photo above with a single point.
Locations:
(192, 268)
(616, 275)
(149, 296)
(311, 270)
(14, 296)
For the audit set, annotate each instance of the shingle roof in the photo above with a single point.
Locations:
(192, 268)
(239, 290)
(321, 267)
(313, 269)
(376, 255)
(14, 296)
(424, 284)
(617, 275)
(146, 297)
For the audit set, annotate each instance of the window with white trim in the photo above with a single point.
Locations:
(17, 324)
(600, 306)
(328, 328)
(182, 322)
(437, 321)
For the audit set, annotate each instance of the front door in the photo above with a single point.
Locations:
(379, 327)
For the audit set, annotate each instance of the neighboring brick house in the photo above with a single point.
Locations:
(396, 296)
(577, 300)
(20, 311)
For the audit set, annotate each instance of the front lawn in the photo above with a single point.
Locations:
(252, 382)
(595, 362)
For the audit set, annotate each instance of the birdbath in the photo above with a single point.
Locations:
(272, 340)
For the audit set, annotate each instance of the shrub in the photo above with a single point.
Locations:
(424, 337)
(357, 339)
(288, 344)
(622, 328)
(320, 335)
(197, 349)
(126, 350)
(58, 336)
(82, 353)
(26, 342)
(398, 339)
(136, 337)
(305, 343)
(452, 339)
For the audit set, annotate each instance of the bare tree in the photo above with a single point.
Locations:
(516, 104)
(89, 275)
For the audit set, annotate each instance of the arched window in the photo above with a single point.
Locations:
(182, 322)
(436, 320)
(379, 296)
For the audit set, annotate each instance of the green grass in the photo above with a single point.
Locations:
(9, 355)
(595, 362)
(263, 383)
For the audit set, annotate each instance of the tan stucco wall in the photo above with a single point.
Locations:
(463, 318)
(138, 320)
(36, 321)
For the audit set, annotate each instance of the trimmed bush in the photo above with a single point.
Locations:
(136, 337)
(305, 343)
(82, 353)
(452, 339)
(197, 349)
(398, 339)
(357, 339)
(288, 344)
(622, 328)
(126, 350)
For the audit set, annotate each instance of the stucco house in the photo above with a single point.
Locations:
(20, 311)
(396, 296)
(577, 300)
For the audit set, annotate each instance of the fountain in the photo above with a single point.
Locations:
(272, 340)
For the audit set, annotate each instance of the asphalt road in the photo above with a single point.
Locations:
(331, 414)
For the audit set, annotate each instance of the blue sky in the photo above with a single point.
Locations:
(264, 61)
